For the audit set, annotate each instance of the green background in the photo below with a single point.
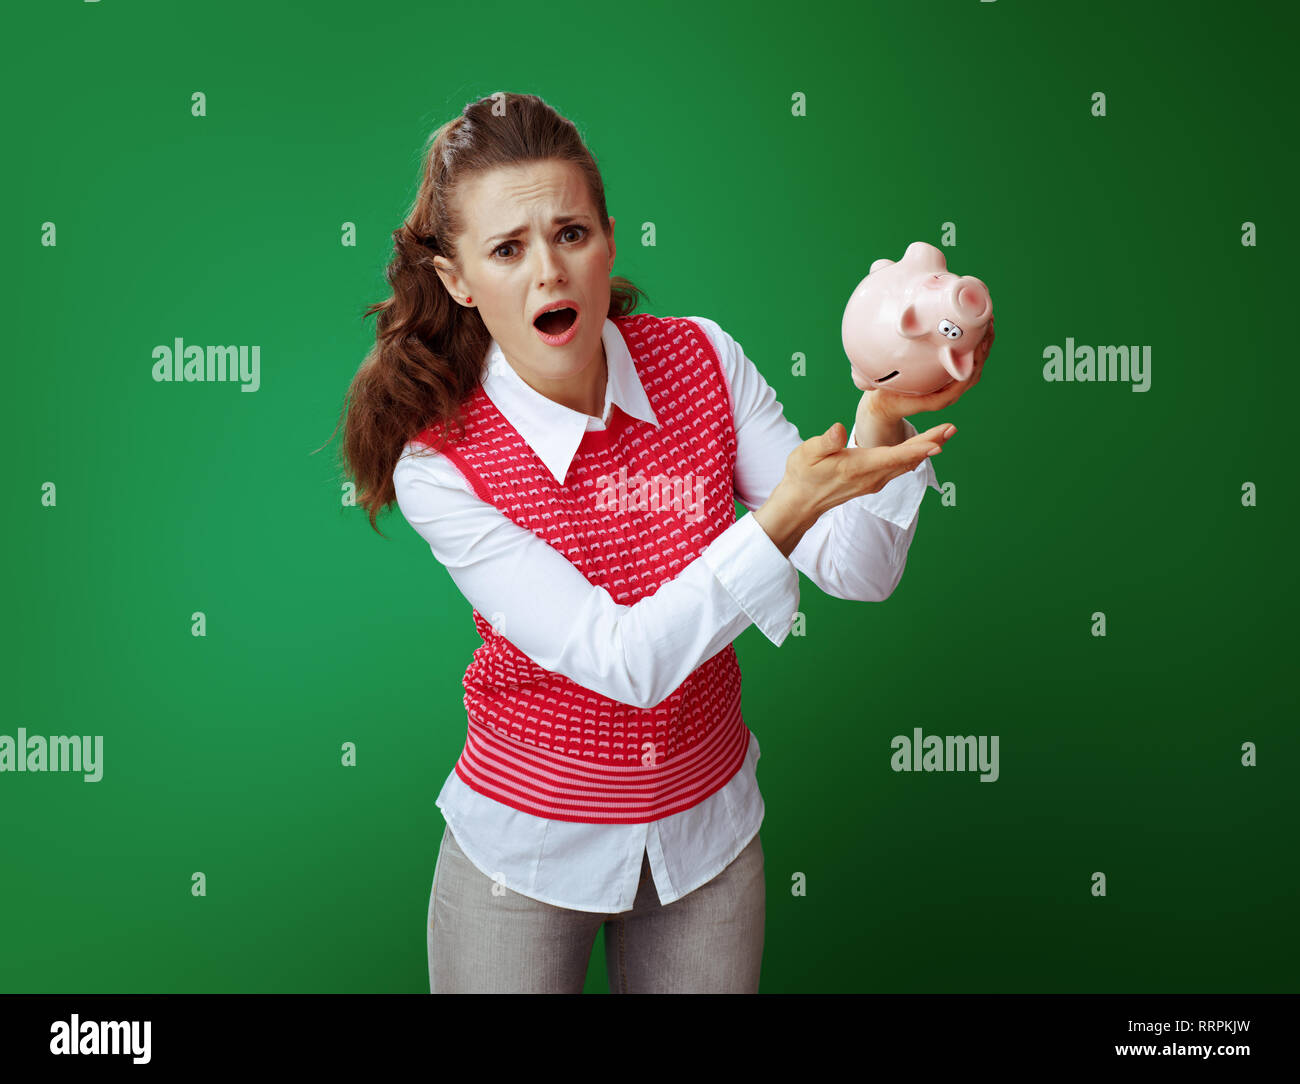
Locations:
(1119, 754)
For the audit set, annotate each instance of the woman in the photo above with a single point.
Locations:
(574, 467)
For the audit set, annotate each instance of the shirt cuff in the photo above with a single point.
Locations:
(763, 583)
(898, 501)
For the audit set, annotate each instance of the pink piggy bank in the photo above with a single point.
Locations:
(912, 326)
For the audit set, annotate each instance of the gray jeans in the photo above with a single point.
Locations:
(709, 941)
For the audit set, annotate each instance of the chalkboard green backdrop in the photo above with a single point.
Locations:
(1119, 174)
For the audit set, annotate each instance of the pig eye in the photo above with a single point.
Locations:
(949, 329)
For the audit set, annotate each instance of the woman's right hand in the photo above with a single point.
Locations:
(822, 472)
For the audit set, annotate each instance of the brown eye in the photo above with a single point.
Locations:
(510, 244)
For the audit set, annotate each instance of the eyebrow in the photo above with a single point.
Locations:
(558, 220)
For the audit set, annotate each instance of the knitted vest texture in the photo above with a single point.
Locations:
(639, 503)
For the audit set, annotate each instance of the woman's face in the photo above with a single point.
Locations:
(531, 239)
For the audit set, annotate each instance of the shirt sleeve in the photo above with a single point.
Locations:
(858, 549)
(550, 611)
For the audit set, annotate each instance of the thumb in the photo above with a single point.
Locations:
(835, 437)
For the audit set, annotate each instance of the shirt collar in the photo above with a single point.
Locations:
(554, 431)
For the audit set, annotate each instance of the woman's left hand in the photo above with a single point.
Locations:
(890, 405)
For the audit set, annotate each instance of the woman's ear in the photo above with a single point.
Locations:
(446, 272)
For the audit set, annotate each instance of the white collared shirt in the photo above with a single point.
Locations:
(640, 654)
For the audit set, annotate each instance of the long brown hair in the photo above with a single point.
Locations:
(428, 353)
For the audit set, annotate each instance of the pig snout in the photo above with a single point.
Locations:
(968, 300)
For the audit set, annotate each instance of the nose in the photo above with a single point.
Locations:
(969, 298)
(549, 267)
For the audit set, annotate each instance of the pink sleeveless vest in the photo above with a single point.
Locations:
(628, 518)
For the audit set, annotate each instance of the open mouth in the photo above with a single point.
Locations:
(882, 379)
(555, 322)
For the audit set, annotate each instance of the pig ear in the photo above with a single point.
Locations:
(959, 366)
(879, 264)
(909, 324)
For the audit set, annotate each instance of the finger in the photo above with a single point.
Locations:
(911, 454)
(937, 434)
(882, 480)
(889, 457)
(925, 451)
(834, 438)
